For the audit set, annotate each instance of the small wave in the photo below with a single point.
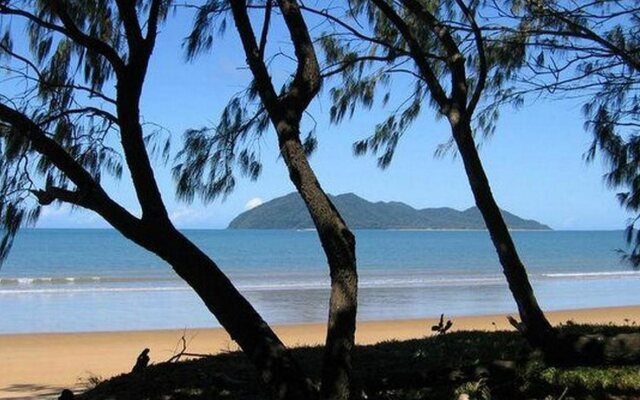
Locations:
(378, 282)
(94, 290)
(80, 280)
(429, 282)
(312, 284)
(591, 274)
(94, 284)
(47, 280)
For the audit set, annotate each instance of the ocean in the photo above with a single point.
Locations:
(95, 280)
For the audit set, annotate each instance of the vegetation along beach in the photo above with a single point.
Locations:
(324, 200)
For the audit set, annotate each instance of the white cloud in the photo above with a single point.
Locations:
(192, 217)
(65, 216)
(253, 203)
(55, 211)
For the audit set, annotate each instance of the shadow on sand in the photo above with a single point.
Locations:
(28, 391)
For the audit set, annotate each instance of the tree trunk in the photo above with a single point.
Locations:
(339, 246)
(558, 347)
(285, 111)
(277, 369)
(538, 330)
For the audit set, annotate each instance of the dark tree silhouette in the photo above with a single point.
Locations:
(440, 46)
(207, 160)
(589, 51)
(60, 130)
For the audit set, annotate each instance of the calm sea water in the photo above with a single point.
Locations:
(95, 280)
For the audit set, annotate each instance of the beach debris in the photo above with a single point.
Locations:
(66, 395)
(441, 328)
(183, 352)
(142, 361)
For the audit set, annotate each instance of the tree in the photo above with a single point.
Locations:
(590, 51)
(441, 47)
(209, 156)
(59, 132)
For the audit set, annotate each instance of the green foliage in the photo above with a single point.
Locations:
(14, 212)
(61, 84)
(207, 162)
(391, 370)
(210, 19)
(590, 51)
(594, 379)
(475, 390)
(366, 51)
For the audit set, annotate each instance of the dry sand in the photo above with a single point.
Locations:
(40, 365)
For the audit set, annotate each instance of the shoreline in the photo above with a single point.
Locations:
(475, 318)
(39, 365)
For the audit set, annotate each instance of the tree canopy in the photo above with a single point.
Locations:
(590, 51)
(58, 112)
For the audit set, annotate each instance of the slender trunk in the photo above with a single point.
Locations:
(129, 89)
(277, 369)
(538, 330)
(285, 111)
(339, 246)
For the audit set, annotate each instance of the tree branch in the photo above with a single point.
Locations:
(349, 63)
(352, 30)
(129, 17)
(307, 80)
(265, 29)
(429, 76)
(263, 80)
(591, 35)
(89, 42)
(85, 110)
(46, 146)
(482, 68)
(50, 194)
(89, 193)
(152, 24)
(456, 59)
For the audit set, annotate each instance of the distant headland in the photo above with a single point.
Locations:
(289, 212)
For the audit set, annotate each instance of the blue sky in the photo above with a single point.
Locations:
(534, 162)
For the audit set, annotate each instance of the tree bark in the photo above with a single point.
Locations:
(285, 111)
(459, 110)
(339, 246)
(538, 330)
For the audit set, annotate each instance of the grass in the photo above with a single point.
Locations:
(478, 365)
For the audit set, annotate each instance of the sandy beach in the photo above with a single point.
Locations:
(40, 365)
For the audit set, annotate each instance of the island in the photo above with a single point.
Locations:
(289, 212)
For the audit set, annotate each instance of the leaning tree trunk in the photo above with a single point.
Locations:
(339, 246)
(277, 369)
(559, 348)
(538, 330)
